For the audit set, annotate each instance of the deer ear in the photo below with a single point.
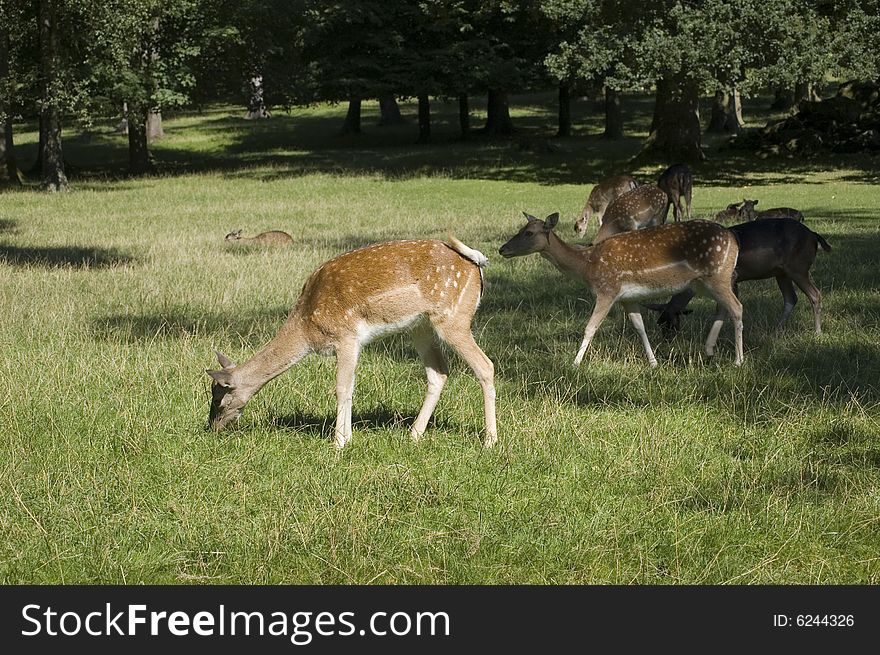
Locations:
(221, 378)
(529, 217)
(225, 362)
(551, 221)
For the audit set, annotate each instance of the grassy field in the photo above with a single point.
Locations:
(112, 298)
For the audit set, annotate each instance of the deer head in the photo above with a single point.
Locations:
(669, 318)
(747, 210)
(234, 235)
(227, 400)
(533, 237)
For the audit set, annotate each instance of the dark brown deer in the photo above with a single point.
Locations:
(599, 199)
(429, 287)
(747, 212)
(270, 238)
(642, 264)
(678, 181)
(777, 247)
(644, 206)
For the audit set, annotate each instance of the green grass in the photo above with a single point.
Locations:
(112, 298)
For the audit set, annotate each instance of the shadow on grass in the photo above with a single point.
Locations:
(305, 143)
(362, 421)
(184, 323)
(63, 257)
(7, 225)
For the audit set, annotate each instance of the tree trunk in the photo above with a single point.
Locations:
(564, 128)
(389, 111)
(726, 113)
(54, 178)
(8, 165)
(424, 119)
(256, 102)
(783, 98)
(805, 91)
(676, 135)
(37, 168)
(498, 114)
(464, 116)
(154, 125)
(122, 126)
(9, 172)
(613, 115)
(659, 102)
(352, 124)
(139, 162)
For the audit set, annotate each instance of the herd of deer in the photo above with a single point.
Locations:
(433, 288)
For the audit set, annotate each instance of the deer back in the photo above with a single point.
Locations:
(641, 207)
(662, 259)
(387, 286)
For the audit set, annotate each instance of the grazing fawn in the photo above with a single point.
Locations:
(429, 287)
(644, 206)
(678, 181)
(780, 248)
(270, 238)
(599, 199)
(747, 212)
(643, 264)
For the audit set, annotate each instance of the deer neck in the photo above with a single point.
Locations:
(283, 351)
(567, 259)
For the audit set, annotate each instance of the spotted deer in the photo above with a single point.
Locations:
(430, 288)
(643, 264)
(599, 199)
(644, 206)
(678, 181)
(747, 212)
(270, 238)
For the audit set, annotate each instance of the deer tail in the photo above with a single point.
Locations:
(467, 252)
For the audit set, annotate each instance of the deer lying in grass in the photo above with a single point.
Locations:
(644, 206)
(678, 181)
(600, 197)
(270, 238)
(729, 213)
(777, 247)
(747, 212)
(643, 264)
(428, 287)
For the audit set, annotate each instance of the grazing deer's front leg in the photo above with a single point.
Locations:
(635, 317)
(600, 311)
(462, 341)
(437, 371)
(346, 362)
(789, 299)
(727, 304)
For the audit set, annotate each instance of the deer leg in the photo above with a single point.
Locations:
(600, 311)
(462, 341)
(789, 298)
(437, 372)
(728, 303)
(805, 282)
(346, 362)
(676, 207)
(635, 317)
